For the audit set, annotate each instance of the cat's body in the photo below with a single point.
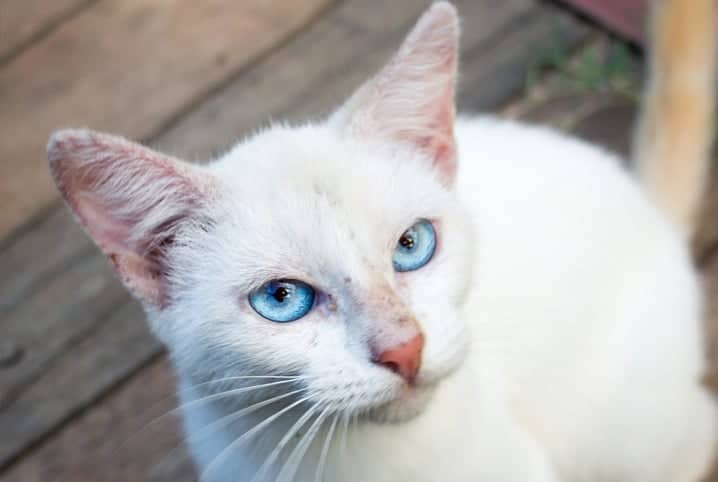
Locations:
(343, 303)
(579, 368)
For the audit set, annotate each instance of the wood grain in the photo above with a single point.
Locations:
(44, 251)
(129, 67)
(53, 318)
(326, 63)
(496, 69)
(117, 347)
(120, 439)
(22, 21)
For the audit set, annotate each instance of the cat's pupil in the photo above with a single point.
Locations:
(280, 294)
(407, 241)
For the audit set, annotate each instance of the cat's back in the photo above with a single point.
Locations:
(580, 284)
(535, 167)
(563, 223)
(541, 189)
(546, 199)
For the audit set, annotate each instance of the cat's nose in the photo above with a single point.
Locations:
(403, 359)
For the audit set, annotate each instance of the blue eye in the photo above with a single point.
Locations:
(415, 247)
(282, 300)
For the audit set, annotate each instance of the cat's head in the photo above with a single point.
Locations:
(333, 254)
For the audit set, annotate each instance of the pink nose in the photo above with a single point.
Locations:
(404, 359)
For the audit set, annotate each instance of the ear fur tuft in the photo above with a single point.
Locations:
(411, 100)
(129, 199)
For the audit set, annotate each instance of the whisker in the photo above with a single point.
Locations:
(325, 450)
(226, 452)
(345, 427)
(289, 469)
(202, 400)
(283, 442)
(227, 419)
(163, 400)
(249, 377)
(235, 391)
(355, 419)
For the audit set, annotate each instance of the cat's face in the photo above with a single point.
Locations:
(335, 254)
(308, 205)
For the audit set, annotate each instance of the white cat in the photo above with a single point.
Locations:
(344, 301)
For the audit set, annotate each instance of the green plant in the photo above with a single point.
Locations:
(604, 66)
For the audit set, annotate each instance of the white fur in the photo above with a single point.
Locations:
(584, 316)
(561, 313)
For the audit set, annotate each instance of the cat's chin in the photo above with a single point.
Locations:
(411, 402)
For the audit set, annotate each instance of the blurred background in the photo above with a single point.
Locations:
(82, 382)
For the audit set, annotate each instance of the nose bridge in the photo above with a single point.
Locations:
(395, 338)
(390, 321)
(384, 320)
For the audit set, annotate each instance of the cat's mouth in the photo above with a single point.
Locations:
(408, 404)
(410, 399)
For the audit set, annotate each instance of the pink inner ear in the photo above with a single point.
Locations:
(412, 99)
(129, 199)
(441, 146)
(137, 270)
(443, 152)
(109, 233)
(139, 277)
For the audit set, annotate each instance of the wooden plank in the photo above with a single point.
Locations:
(604, 119)
(306, 76)
(340, 53)
(117, 347)
(308, 67)
(56, 316)
(626, 17)
(112, 443)
(23, 21)
(497, 69)
(705, 245)
(129, 67)
(55, 242)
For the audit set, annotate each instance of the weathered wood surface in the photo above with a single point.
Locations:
(304, 77)
(322, 66)
(626, 17)
(130, 67)
(24, 21)
(121, 439)
(80, 296)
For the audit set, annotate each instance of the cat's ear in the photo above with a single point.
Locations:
(411, 100)
(130, 200)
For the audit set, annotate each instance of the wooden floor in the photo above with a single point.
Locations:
(82, 382)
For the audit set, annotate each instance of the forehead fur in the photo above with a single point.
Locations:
(309, 202)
